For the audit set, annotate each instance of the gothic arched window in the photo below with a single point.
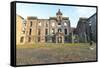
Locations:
(65, 31)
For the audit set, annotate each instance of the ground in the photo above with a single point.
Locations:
(55, 53)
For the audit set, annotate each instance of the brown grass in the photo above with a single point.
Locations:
(54, 53)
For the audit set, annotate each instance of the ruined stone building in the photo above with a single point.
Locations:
(86, 29)
(82, 29)
(52, 30)
(92, 28)
(20, 29)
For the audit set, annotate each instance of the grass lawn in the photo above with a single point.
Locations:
(54, 53)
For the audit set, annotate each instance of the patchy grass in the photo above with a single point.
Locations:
(39, 45)
(54, 53)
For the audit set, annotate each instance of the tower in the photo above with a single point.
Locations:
(59, 15)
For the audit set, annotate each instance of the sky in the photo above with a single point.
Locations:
(42, 11)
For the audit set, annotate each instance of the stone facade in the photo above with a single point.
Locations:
(92, 20)
(82, 29)
(52, 30)
(20, 30)
(86, 27)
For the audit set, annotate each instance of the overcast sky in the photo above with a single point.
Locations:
(45, 11)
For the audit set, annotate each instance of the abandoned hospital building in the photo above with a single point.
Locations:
(53, 30)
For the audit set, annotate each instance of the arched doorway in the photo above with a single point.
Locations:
(60, 37)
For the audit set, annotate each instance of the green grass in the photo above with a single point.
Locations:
(39, 45)
(54, 53)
